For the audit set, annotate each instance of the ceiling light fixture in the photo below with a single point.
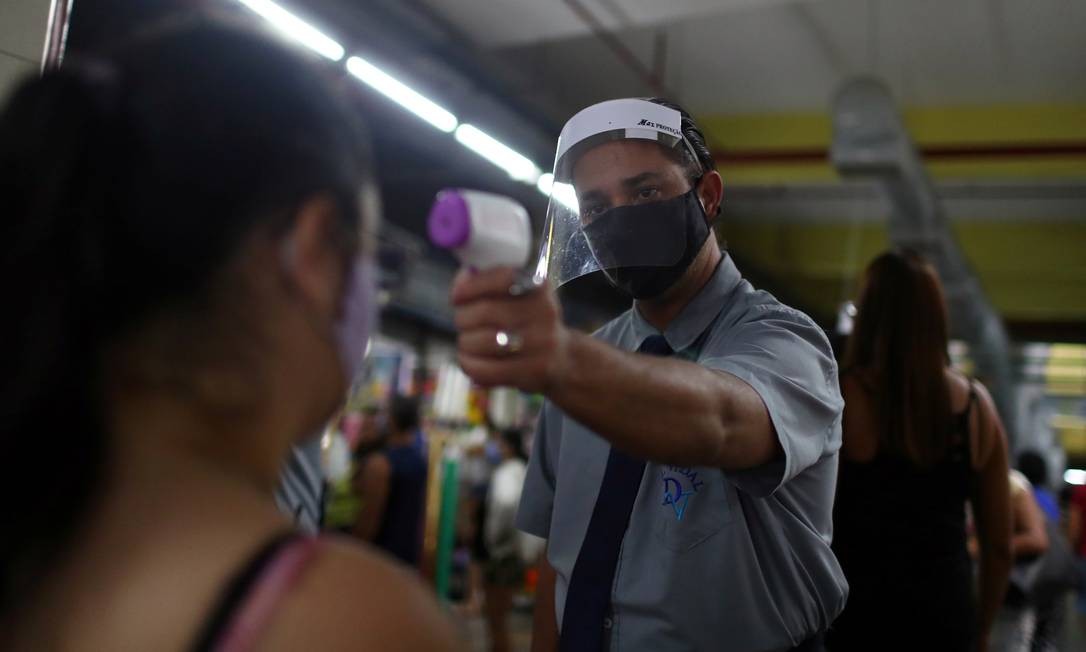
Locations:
(516, 165)
(296, 28)
(402, 94)
(562, 192)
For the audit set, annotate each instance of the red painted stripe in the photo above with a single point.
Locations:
(932, 152)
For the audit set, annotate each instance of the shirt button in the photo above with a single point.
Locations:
(607, 623)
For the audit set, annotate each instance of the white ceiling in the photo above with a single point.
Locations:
(778, 55)
(22, 28)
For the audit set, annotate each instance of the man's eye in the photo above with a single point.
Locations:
(594, 211)
(647, 193)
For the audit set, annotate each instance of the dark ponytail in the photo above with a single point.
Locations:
(50, 390)
(126, 186)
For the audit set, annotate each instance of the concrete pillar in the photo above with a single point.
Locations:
(23, 28)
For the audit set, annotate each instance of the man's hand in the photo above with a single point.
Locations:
(534, 357)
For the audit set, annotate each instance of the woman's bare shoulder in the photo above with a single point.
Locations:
(985, 426)
(959, 385)
(352, 598)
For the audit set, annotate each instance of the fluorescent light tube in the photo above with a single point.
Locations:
(515, 164)
(296, 28)
(401, 94)
(561, 192)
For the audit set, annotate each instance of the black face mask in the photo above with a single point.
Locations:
(644, 249)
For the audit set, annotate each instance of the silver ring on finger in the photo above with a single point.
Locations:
(509, 342)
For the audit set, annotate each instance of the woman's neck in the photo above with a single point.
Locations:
(154, 430)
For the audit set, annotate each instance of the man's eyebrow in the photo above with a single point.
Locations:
(638, 179)
(629, 182)
(592, 195)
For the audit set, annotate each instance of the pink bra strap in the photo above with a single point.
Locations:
(274, 582)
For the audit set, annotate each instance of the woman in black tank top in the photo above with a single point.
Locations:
(910, 464)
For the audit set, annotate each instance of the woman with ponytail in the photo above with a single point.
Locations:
(187, 272)
(920, 442)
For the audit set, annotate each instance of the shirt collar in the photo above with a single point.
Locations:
(697, 315)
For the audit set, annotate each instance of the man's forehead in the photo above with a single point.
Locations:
(619, 159)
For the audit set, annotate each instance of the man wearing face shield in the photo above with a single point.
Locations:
(684, 467)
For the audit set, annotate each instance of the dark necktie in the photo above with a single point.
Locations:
(588, 600)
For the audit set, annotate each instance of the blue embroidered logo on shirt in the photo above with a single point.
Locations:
(680, 483)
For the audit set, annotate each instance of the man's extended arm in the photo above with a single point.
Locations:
(662, 409)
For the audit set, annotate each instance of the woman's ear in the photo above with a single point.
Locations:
(311, 262)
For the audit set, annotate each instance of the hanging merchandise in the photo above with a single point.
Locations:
(477, 406)
(507, 407)
(451, 395)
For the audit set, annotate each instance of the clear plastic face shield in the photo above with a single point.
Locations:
(579, 240)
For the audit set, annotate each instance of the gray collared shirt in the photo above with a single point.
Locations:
(712, 560)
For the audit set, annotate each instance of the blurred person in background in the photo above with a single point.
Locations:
(1076, 534)
(184, 249)
(392, 487)
(1048, 627)
(697, 433)
(372, 428)
(1044, 572)
(503, 569)
(920, 442)
(1033, 466)
(1016, 620)
(1060, 574)
(476, 468)
(1028, 537)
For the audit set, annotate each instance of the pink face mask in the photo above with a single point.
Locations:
(358, 318)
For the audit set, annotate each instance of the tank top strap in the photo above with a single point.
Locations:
(961, 441)
(250, 599)
(972, 394)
